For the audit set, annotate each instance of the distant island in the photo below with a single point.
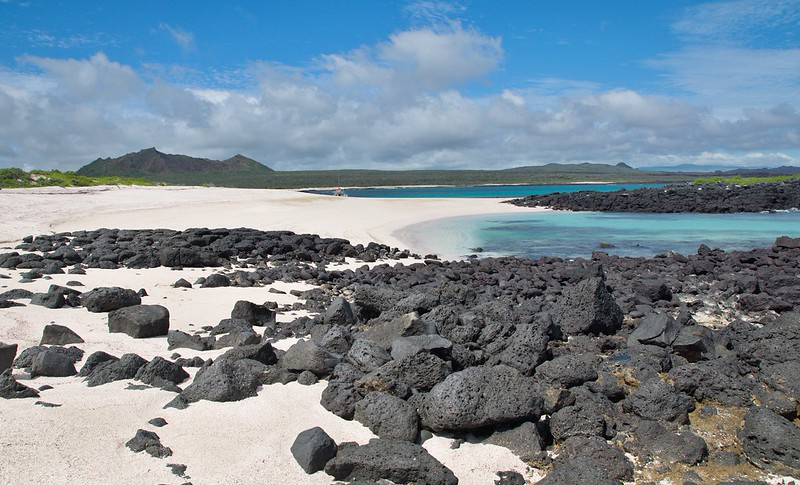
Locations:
(152, 167)
(240, 171)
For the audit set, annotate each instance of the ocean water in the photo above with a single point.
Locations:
(483, 191)
(578, 234)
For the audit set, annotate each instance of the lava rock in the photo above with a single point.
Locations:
(307, 355)
(11, 389)
(388, 416)
(588, 308)
(7, 354)
(394, 460)
(313, 449)
(770, 440)
(48, 300)
(160, 372)
(52, 364)
(112, 370)
(54, 334)
(605, 455)
(339, 312)
(107, 299)
(262, 352)
(224, 380)
(257, 315)
(655, 329)
(656, 441)
(140, 321)
(523, 440)
(656, 400)
(568, 370)
(148, 442)
(579, 471)
(479, 397)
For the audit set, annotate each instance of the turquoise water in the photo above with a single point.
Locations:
(578, 234)
(483, 191)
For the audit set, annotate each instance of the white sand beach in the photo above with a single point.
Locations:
(360, 220)
(82, 441)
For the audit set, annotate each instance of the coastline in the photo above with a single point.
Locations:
(360, 220)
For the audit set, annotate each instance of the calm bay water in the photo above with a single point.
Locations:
(578, 234)
(483, 191)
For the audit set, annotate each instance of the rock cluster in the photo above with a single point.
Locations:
(716, 199)
(584, 360)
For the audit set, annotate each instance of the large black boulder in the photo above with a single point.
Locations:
(312, 449)
(655, 441)
(657, 400)
(655, 329)
(388, 416)
(523, 440)
(339, 312)
(48, 300)
(579, 471)
(106, 299)
(605, 455)
(225, 380)
(588, 308)
(478, 397)
(109, 370)
(568, 370)
(160, 372)
(340, 398)
(52, 364)
(261, 352)
(54, 334)
(526, 349)
(177, 339)
(7, 354)
(11, 389)
(140, 321)
(394, 460)
(257, 315)
(307, 355)
(27, 356)
(770, 440)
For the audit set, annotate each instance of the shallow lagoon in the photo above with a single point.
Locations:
(578, 234)
(481, 191)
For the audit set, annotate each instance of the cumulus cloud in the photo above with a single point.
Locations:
(398, 104)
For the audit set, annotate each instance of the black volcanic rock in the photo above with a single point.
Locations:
(710, 198)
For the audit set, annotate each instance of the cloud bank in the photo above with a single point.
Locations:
(401, 104)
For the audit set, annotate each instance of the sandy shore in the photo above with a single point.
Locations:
(361, 220)
(82, 441)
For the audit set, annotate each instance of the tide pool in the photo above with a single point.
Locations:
(482, 191)
(578, 234)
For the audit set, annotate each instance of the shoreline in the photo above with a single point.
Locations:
(360, 220)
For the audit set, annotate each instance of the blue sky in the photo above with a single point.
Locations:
(388, 84)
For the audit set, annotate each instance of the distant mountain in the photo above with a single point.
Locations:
(577, 168)
(240, 171)
(153, 165)
(723, 169)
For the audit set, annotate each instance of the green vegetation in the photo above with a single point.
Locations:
(18, 178)
(240, 171)
(738, 180)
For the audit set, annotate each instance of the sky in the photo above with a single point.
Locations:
(327, 84)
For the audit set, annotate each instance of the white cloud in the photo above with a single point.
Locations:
(737, 21)
(398, 104)
(183, 38)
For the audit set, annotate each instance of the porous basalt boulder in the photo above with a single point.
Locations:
(394, 460)
(106, 299)
(140, 321)
(588, 308)
(478, 397)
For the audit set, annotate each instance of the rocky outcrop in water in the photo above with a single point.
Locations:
(711, 199)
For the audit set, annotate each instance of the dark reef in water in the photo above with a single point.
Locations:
(710, 199)
(681, 360)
